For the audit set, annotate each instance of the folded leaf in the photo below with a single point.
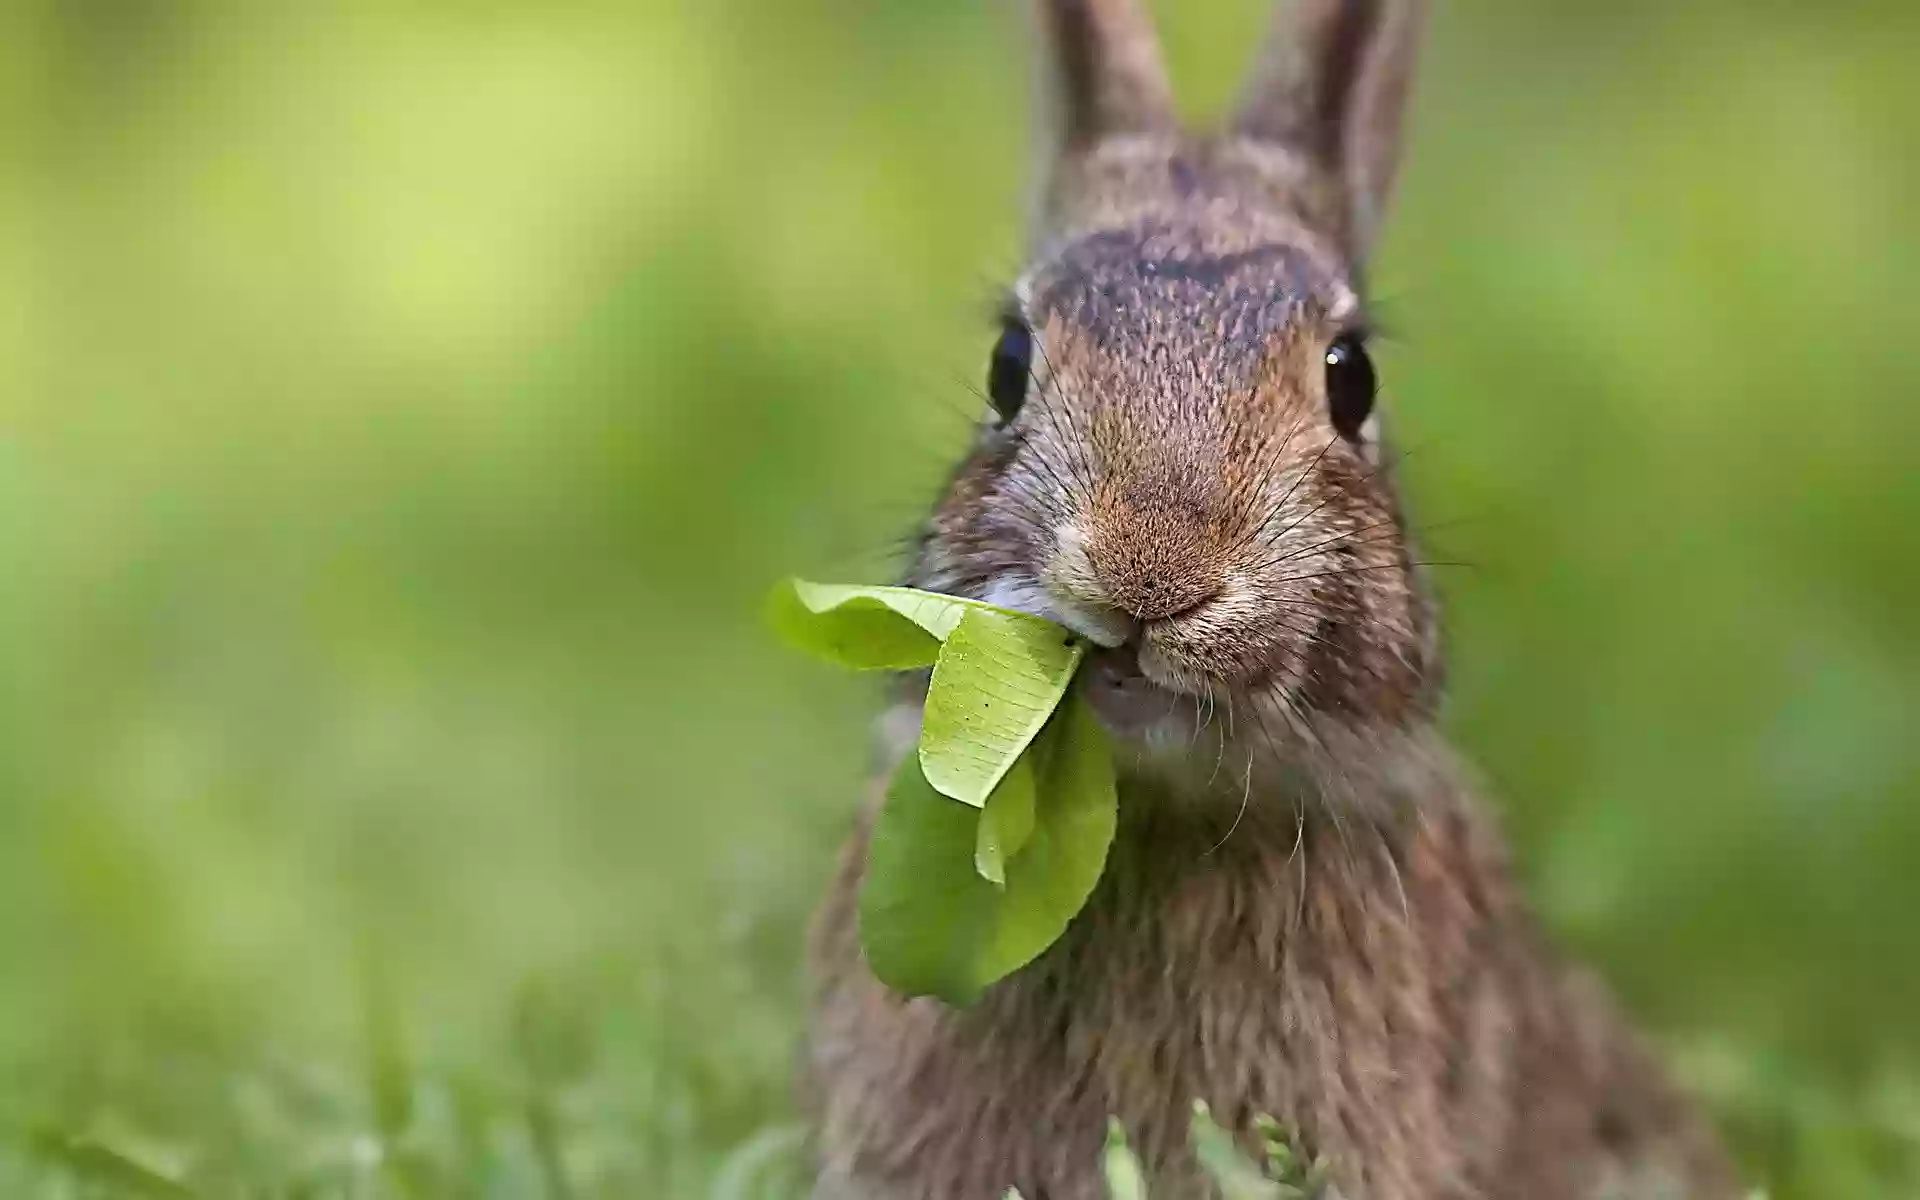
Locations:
(958, 895)
(999, 677)
(873, 628)
(930, 924)
(1005, 823)
(852, 627)
(1076, 805)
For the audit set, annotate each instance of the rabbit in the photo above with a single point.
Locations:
(1307, 912)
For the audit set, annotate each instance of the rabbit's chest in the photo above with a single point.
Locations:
(1344, 1000)
(1362, 1024)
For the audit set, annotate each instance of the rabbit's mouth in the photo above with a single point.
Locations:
(1189, 731)
(1142, 705)
(1134, 707)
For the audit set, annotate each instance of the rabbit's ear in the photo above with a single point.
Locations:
(1332, 85)
(1102, 75)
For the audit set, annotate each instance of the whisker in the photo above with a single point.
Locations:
(1272, 456)
(1058, 503)
(1304, 474)
(969, 420)
(1246, 798)
(1273, 752)
(1059, 404)
(1385, 847)
(1394, 460)
(1399, 566)
(1221, 756)
(1329, 543)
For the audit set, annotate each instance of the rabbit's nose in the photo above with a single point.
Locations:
(1141, 573)
(1152, 555)
(1154, 595)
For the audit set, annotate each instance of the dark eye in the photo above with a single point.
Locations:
(1010, 369)
(1350, 385)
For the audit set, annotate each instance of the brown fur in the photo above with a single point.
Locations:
(1384, 993)
(1306, 913)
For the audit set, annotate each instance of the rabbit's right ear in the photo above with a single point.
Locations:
(1101, 77)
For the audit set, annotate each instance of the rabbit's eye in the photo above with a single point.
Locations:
(1010, 369)
(1350, 385)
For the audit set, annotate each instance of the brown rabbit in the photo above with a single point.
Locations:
(1307, 912)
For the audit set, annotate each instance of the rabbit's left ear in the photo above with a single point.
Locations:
(1332, 85)
(1102, 79)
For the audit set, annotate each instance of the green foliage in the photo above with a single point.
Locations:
(403, 407)
(865, 628)
(1125, 1179)
(1298, 1177)
(1000, 676)
(91, 1163)
(1006, 822)
(1284, 1174)
(1236, 1176)
(931, 923)
(599, 1084)
(954, 898)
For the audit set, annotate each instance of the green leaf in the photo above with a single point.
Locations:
(1076, 805)
(999, 678)
(923, 909)
(862, 628)
(933, 612)
(874, 628)
(1005, 823)
(930, 924)
(1125, 1179)
(1232, 1172)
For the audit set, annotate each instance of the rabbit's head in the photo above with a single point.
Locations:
(1184, 462)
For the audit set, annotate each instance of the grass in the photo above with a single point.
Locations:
(404, 407)
(592, 1091)
(601, 1084)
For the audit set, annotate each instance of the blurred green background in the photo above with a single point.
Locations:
(404, 405)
